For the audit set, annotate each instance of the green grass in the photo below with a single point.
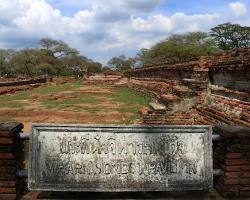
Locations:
(92, 110)
(132, 118)
(22, 95)
(128, 110)
(128, 96)
(68, 102)
(11, 101)
(58, 88)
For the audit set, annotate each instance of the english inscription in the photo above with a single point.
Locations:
(120, 158)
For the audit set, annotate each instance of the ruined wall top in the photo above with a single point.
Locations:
(237, 59)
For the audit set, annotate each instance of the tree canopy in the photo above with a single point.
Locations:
(121, 63)
(231, 36)
(52, 57)
(179, 47)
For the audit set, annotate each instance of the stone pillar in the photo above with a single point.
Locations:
(232, 155)
(11, 160)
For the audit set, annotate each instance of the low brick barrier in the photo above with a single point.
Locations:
(23, 82)
(232, 155)
(11, 160)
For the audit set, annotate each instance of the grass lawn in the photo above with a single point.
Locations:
(77, 97)
(80, 103)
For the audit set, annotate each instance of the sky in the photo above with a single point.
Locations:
(102, 29)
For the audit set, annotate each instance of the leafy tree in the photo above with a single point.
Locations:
(105, 69)
(6, 56)
(121, 63)
(230, 36)
(54, 57)
(57, 48)
(94, 67)
(44, 69)
(180, 47)
(25, 61)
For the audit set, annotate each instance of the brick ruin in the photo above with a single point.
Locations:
(8, 87)
(11, 161)
(212, 90)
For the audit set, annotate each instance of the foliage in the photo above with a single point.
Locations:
(53, 57)
(231, 36)
(180, 47)
(121, 63)
(57, 48)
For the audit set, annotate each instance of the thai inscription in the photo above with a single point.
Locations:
(103, 160)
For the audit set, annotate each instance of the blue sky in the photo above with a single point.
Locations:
(103, 29)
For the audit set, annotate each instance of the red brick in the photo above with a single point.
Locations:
(7, 177)
(245, 181)
(229, 181)
(6, 141)
(245, 174)
(7, 196)
(238, 148)
(6, 156)
(237, 162)
(4, 190)
(225, 191)
(233, 155)
(242, 174)
(7, 183)
(7, 162)
(232, 174)
(7, 169)
(236, 168)
(244, 193)
(245, 188)
(6, 134)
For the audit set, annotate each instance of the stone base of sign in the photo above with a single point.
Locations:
(11, 160)
(232, 155)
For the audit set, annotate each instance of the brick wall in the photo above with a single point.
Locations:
(23, 82)
(232, 154)
(11, 160)
(212, 90)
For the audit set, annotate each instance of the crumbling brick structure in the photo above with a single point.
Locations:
(232, 154)
(14, 86)
(11, 160)
(211, 90)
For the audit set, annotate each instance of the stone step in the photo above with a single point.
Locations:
(157, 107)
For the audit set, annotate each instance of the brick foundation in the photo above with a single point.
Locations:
(232, 155)
(11, 160)
(212, 90)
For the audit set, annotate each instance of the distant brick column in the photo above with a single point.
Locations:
(232, 155)
(11, 160)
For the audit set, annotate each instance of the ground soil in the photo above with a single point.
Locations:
(104, 110)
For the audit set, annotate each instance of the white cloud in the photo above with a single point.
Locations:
(238, 8)
(103, 29)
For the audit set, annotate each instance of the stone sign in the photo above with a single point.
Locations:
(120, 158)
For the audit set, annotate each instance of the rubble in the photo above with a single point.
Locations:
(216, 88)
